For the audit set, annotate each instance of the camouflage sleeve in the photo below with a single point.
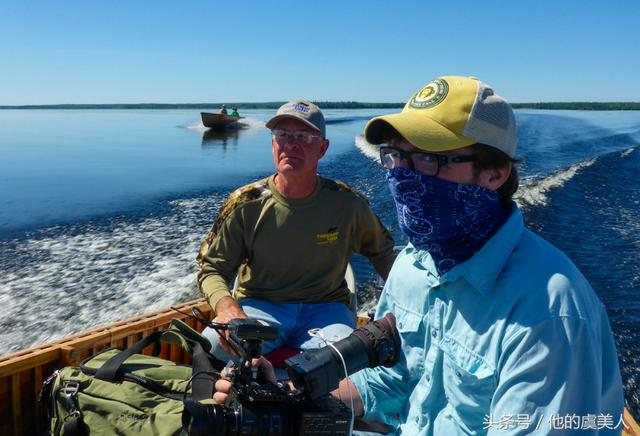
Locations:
(221, 254)
(224, 249)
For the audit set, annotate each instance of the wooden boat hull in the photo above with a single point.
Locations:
(22, 373)
(218, 121)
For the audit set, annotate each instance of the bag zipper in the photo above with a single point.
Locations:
(63, 391)
(46, 395)
(45, 391)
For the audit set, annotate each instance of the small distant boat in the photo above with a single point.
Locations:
(219, 121)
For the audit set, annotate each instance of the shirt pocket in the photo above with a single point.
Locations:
(409, 326)
(469, 381)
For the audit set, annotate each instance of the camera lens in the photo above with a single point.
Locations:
(205, 418)
(318, 372)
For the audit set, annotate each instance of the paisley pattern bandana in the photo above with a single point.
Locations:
(451, 221)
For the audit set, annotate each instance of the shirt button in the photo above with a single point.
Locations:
(434, 333)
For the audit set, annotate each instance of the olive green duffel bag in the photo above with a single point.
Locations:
(124, 392)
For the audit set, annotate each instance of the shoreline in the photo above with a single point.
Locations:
(596, 106)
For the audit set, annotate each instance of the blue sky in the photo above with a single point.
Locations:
(223, 51)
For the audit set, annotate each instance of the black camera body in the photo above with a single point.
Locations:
(267, 409)
(257, 407)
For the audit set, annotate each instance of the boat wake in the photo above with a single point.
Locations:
(196, 126)
(369, 150)
(245, 123)
(251, 123)
(70, 278)
(532, 191)
(627, 152)
(343, 120)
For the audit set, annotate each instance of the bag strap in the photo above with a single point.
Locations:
(111, 371)
(202, 372)
(74, 426)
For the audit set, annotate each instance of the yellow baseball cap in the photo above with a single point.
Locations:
(448, 113)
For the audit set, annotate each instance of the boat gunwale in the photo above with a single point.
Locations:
(109, 332)
(70, 351)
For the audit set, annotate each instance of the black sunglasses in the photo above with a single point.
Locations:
(421, 161)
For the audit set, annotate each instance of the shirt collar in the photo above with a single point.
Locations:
(294, 202)
(482, 270)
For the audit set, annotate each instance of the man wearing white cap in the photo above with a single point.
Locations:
(288, 238)
(500, 331)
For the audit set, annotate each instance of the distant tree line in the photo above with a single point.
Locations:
(582, 106)
(356, 105)
(208, 106)
(621, 106)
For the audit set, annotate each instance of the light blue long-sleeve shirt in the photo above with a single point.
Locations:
(514, 340)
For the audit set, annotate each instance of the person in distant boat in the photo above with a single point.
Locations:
(223, 109)
(500, 332)
(288, 239)
(234, 112)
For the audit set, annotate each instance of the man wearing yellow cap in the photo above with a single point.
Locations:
(500, 331)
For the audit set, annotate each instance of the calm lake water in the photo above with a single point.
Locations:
(102, 211)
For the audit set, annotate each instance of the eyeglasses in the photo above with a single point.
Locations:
(300, 137)
(425, 163)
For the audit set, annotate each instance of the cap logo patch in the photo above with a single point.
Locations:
(430, 95)
(300, 107)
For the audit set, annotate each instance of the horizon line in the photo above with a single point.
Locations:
(324, 104)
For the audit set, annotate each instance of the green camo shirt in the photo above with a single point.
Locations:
(291, 250)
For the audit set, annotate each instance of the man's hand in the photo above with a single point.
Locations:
(223, 385)
(227, 308)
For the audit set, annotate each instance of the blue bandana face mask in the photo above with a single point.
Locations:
(449, 220)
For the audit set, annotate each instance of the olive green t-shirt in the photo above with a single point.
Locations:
(291, 250)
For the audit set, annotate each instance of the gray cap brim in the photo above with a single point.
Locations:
(271, 124)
